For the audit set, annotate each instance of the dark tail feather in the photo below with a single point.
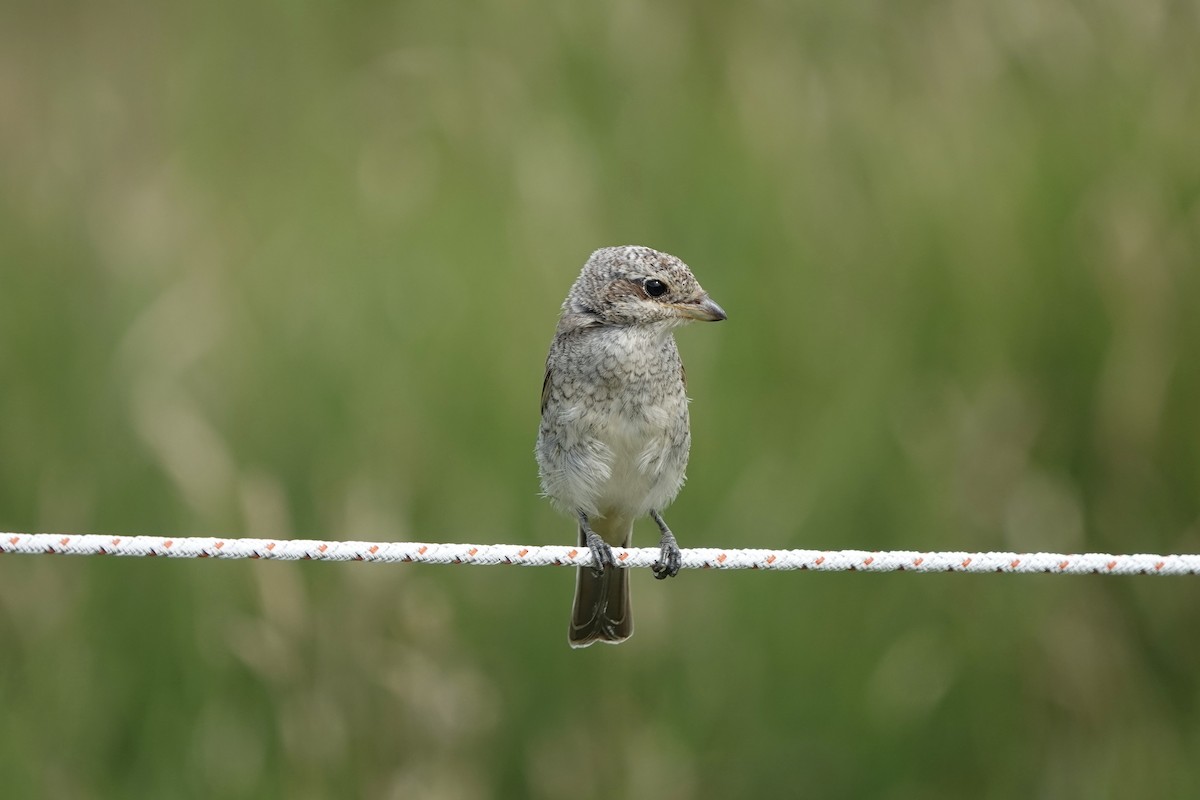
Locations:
(601, 612)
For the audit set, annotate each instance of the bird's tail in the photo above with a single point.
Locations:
(601, 612)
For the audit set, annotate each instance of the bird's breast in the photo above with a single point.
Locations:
(615, 434)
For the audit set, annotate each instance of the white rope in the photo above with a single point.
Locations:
(698, 558)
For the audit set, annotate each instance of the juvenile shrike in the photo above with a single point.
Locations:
(613, 442)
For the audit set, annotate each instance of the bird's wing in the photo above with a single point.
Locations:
(546, 389)
(682, 377)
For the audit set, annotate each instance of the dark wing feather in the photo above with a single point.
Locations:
(546, 389)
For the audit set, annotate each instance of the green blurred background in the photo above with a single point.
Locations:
(290, 269)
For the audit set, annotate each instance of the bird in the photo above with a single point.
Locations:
(613, 442)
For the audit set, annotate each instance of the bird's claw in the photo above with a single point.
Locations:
(602, 554)
(670, 559)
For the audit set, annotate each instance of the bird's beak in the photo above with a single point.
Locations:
(703, 309)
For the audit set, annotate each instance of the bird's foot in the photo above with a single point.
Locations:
(602, 554)
(670, 559)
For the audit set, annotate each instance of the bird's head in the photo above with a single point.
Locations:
(634, 285)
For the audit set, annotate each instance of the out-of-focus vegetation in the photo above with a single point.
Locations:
(290, 269)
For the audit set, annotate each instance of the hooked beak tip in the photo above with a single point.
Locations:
(706, 310)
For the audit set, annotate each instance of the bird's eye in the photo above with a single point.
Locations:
(655, 288)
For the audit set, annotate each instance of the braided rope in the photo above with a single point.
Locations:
(698, 558)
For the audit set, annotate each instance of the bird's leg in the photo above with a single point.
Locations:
(669, 557)
(602, 555)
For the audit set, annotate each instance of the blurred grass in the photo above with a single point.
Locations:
(291, 270)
